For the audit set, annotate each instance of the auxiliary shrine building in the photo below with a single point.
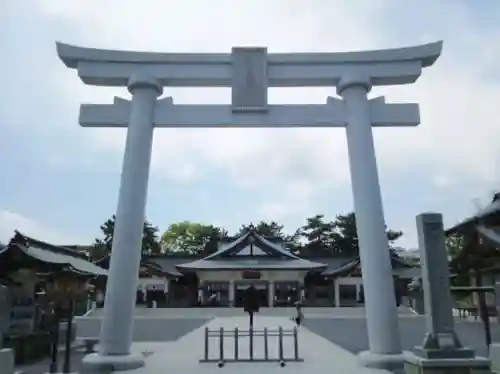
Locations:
(280, 276)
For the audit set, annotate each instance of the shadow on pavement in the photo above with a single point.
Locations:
(153, 330)
(148, 330)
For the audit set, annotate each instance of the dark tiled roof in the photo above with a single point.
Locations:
(491, 234)
(238, 254)
(169, 264)
(491, 210)
(51, 254)
(272, 248)
(251, 262)
(333, 266)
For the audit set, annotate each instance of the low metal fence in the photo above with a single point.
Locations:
(235, 336)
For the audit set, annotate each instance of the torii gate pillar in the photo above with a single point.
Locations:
(249, 72)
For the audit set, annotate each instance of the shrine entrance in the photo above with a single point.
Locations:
(249, 72)
(262, 288)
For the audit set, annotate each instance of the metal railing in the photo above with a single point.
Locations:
(220, 336)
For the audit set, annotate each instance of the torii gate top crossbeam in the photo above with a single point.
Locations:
(384, 67)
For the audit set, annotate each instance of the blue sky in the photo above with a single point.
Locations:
(60, 181)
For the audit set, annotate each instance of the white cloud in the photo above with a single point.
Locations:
(454, 100)
(442, 181)
(457, 140)
(291, 200)
(10, 221)
(249, 156)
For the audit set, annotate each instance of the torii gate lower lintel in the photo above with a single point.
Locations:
(169, 115)
(249, 72)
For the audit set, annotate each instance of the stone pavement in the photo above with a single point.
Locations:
(329, 337)
(148, 329)
(351, 333)
(319, 354)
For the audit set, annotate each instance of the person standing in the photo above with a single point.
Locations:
(299, 317)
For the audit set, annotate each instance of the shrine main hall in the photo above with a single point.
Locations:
(280, 276)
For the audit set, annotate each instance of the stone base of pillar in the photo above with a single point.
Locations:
(419, 365)
(495, 357)
(7, 361)
(95, 363)
(392, 362)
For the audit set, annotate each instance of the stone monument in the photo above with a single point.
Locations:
(249, 72)
(441, 351)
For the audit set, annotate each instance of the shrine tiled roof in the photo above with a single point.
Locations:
(491, 234)
(257, 264)
(251, 237)
(252, 251)
(399, 267)
(52, 254)
(491, 210)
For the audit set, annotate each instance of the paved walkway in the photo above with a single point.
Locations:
(329, 339)
(319, 354)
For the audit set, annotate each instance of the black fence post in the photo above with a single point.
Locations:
(295, 344)
(485, 317)
(266, 347)
(69, 335)
(236, 347)
(280, 343)
(250, 335)
(221, 345)
(55, 341)
(206, 343)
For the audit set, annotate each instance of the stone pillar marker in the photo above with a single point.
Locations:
(381, 311)
(441, 349)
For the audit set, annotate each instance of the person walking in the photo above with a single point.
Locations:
(299, 317)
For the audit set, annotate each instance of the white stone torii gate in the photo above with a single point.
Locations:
(249, 72)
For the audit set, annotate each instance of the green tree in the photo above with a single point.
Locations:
(454, 244)
(318, 235)
(264, 228)
(192, 237)
(292, 242)
(102, 245)
(335, 238)
(346, 238)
